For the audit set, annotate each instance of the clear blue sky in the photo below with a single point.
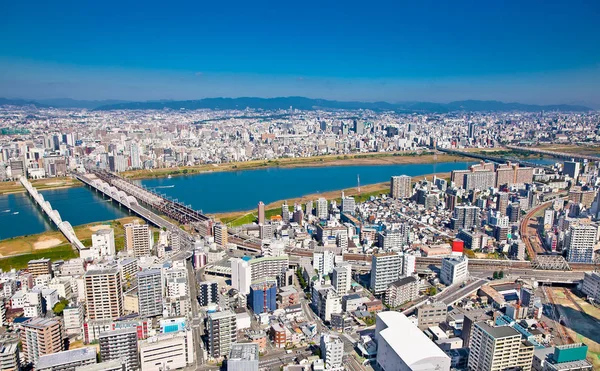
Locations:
(527, 51)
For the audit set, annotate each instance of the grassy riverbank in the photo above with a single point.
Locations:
(386, 158)
(239, 218)
(16, 252)
(39, 184)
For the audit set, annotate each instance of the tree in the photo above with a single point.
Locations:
(501, 274)
(432, 291)
(495, 276)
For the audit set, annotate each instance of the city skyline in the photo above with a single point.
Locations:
(541, 53)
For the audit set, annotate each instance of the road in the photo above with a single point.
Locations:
(455, 293)
(525, 226)
(197, 321)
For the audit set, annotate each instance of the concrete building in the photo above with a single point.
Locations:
(244, 272)
(41, 336)
(322, 211)
(169, 351)
(385, 269)
(498, 348)
(114, 365)
(591, 286)
(103, 242)
(401, 346)
(120, 344)
(580, 243)
(138, 239)
(332, 351)
(431, 315)
(67, 360)
(103, 293)
(263, 296)
(222, 333)
(479, 180)
(323, 262)
(454, 270)
(73, 318)
(243, 357)
(261, 213)
(221, 235)
(465, 217)
(150, 294)
(572, 169)
(40, 267)
(325, 301)
(208, 293)
(342, 279)
(9, 356)
(400, 186)
(571, 357)
(401, 291)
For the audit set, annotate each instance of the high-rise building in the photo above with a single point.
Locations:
(261, 213)
(103, 242)
(332, 351)
(402, 346)
(342, 279)
(409, 265)
(502, 202)
(150, 295)
(401, 291)
(591, 286)
(244, 272)
(220, 233)
(9, 356)
(208, 293)
(471, 131)
(454, 270)
(309, 208)
(498, 348)
(400, 186)
(41, 336)
(571, 168)
(479, 180)
(580, 243)
(243, 357)
(359, 127)
(385, 269)
(39, 267)
(138, 239)
(465, 217)
(103, 293)
(134, 153)
(120, 344)
(222, 333)
(285, 213)
(513, 211)
(323, 262)
(322, 208)
(263, 296)
(348, 205)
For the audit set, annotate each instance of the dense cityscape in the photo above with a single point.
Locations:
(487, 268)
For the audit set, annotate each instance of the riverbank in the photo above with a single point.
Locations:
(239, 218)
(16, 252)
(385, 158)
(11, 187)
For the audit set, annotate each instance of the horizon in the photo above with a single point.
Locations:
(535, 53)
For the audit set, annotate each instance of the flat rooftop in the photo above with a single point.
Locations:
(244, 352)
(66, 357)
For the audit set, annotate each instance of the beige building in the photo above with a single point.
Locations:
(220, 232)
(401, 186)
(103, 294)
(41, 336)
(498, 348)
(39, 267)
(138, 239)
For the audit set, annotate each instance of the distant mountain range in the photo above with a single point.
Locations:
(295, 102)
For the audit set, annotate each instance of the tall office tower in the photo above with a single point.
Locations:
(103, 242)
(342, 279)
(222, 333)
(498, 348)
(220, 232)
(454, 270)
(502, 202)
(471, 130)
(402, 346)
(359, 127)
(513, 211)
(243, 357)
(134, 152)
(263, 296)
(322, 209)
(285, 213)
(208, 293)
(401, 186)
(103, 293)
(150, 296)
(332, 351)
(41, 336)
(465, 217)
(39, 267)
(323, 262)
(120, 344)
(571, 168)
(138, 239)
(385, 269)
(580, 243)
(261, 213)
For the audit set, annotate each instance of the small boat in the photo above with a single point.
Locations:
(6, 211)
(15, 213)
(169, 177)
(169, 186)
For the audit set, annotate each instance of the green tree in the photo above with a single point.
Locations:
(432, 291)
(501, 274)
(495, 276)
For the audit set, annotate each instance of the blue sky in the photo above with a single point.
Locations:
(527, 51)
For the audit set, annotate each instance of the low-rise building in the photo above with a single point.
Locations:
(401, 291)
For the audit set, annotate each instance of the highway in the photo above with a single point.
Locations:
(456, 293)
(524, 230)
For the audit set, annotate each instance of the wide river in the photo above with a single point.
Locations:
(210, 192)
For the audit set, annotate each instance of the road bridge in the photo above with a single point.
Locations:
(62, 225)
(563, 155)
(499, 160)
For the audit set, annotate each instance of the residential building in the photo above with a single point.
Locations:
(498, 348)
(208, 293)
(67, 360)
(9, 356)
(454, 270)
(342, 279)
(332, 351)
(580, 243)
(103, 293)
(150, 292)
(401, 346)
(167, 351)
(103, 242)
(222, 333)
(41, 336)
(243, 357)
(322, 211)
(385, 269)
(401, 291)
(263, 296)
(221, 235)
(465, 217)
(591, 286)
(400, 186)
(40, 267)
(120, 344)
(73, 318)
(138, 239)
(323, 262)
(429, 315)
(261, 213)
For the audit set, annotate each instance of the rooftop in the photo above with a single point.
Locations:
(244, 352)
(498, 332)
(66, 357)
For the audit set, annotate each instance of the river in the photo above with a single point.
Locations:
(210, 192)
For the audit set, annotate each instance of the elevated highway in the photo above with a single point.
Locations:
(499, 160)
(62, 225)
(563, 155)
